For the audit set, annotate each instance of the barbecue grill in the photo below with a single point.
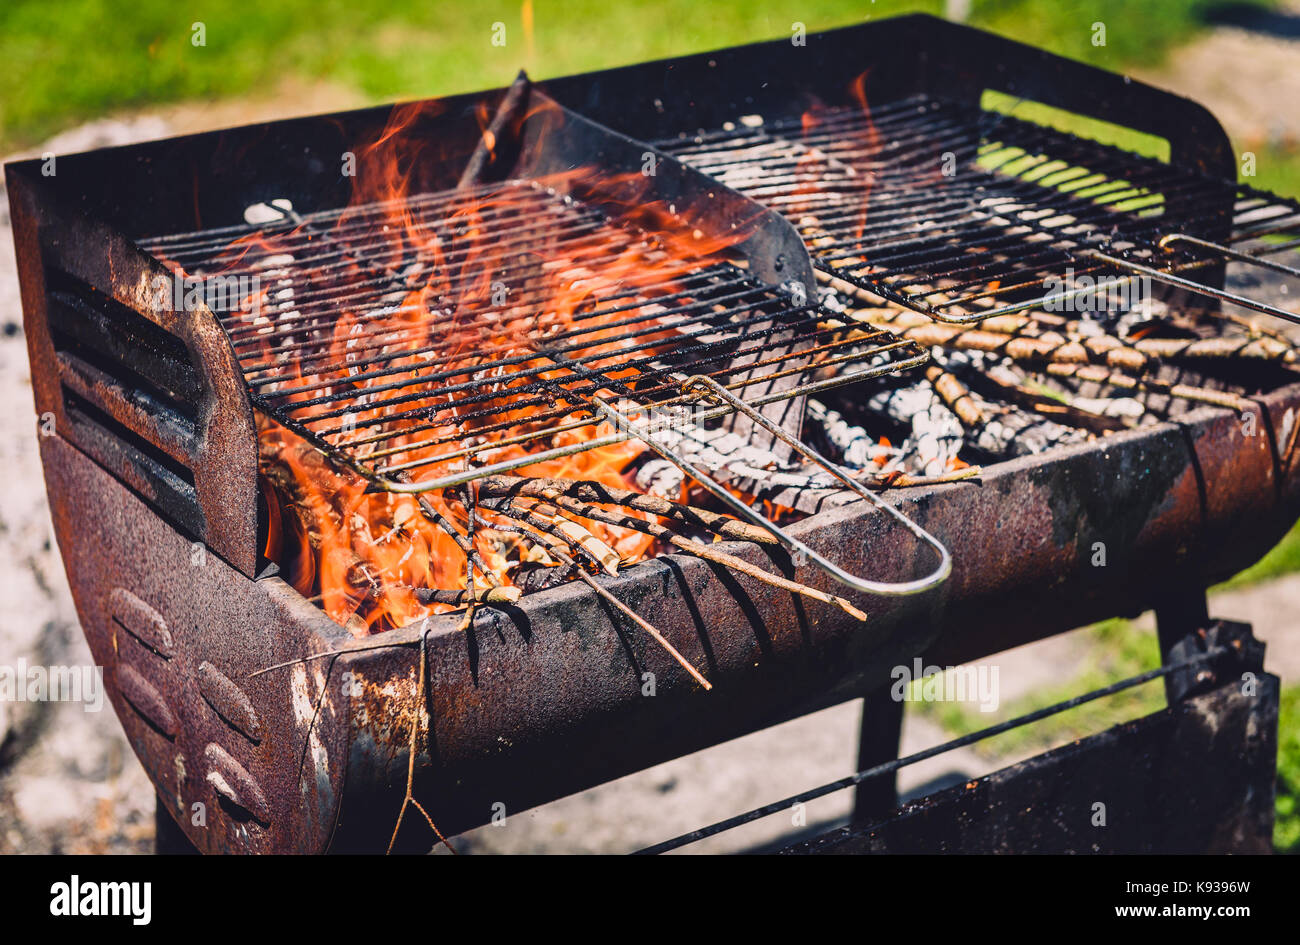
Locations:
(237, 691)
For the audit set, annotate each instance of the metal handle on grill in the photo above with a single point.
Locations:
(1200, 288)
(1159, 275)
(1230, 253)
(715, 391)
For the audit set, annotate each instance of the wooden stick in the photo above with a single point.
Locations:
(1036, 349)
(409, 798)
(1088, 372)
(647, 627)
(550, 529)
(580, 536)
(1263, 349)
(465, 545)
(722, 525)
(553, 544)
(900, 480)
(483, 595)
(707, 553)
(956, 395)
(485, 150)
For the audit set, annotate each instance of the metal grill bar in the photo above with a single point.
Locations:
(426, 343)
(889, 767)
(963, 214)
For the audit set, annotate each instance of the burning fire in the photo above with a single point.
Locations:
(365, 555)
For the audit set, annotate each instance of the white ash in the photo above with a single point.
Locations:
(720, 452)
(936, 437)
(1010, 431)
(1123, 408)
(1122, 322)
(851, 445)
(1007, 430)
(1120, 408)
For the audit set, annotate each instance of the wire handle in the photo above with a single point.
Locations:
(1200, 288)
(712, 390)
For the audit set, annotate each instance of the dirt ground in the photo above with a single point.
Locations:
(1245, 74)
(69, 782)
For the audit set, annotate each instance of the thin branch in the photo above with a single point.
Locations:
(724, 526)
(409, 798)
(553, 545)
(705, 552)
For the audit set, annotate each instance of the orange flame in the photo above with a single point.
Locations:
(364, 555)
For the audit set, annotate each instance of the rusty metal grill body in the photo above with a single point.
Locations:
(155, 451)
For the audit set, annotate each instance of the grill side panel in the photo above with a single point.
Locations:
(243, 763)
(147, 387)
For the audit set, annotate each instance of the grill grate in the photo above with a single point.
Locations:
(428, 341)
(1022, 212)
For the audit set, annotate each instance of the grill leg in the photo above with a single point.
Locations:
(1179, 615)
(878, 742)
(169, 838)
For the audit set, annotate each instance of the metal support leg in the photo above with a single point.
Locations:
(169, 838)
(1179, 615)
(878, 742)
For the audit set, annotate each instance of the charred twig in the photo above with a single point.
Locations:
(581, 542)
(483, 595)
(577, 535)
(550, 489)
(1012, 387)
(1057, 345)
(956, 395)
(554, 546)
(1086, 372)
(900, 480)
(465, 544)
(644, 625)
(1035, 349)
(1260, 349)
(705, 552)
(486, 149)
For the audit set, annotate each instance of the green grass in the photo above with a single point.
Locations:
(1136, 32)
(77, 59)
(1277, 168)
(1286, 827)
(1092, 128)
(1284, 558)
(1116, 649)
(71, 60)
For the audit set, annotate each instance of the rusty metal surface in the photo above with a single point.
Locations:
(549, 697)
(215, 448)
(177, 633)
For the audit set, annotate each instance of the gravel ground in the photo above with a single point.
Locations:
(1245, 74)
(69, 782)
